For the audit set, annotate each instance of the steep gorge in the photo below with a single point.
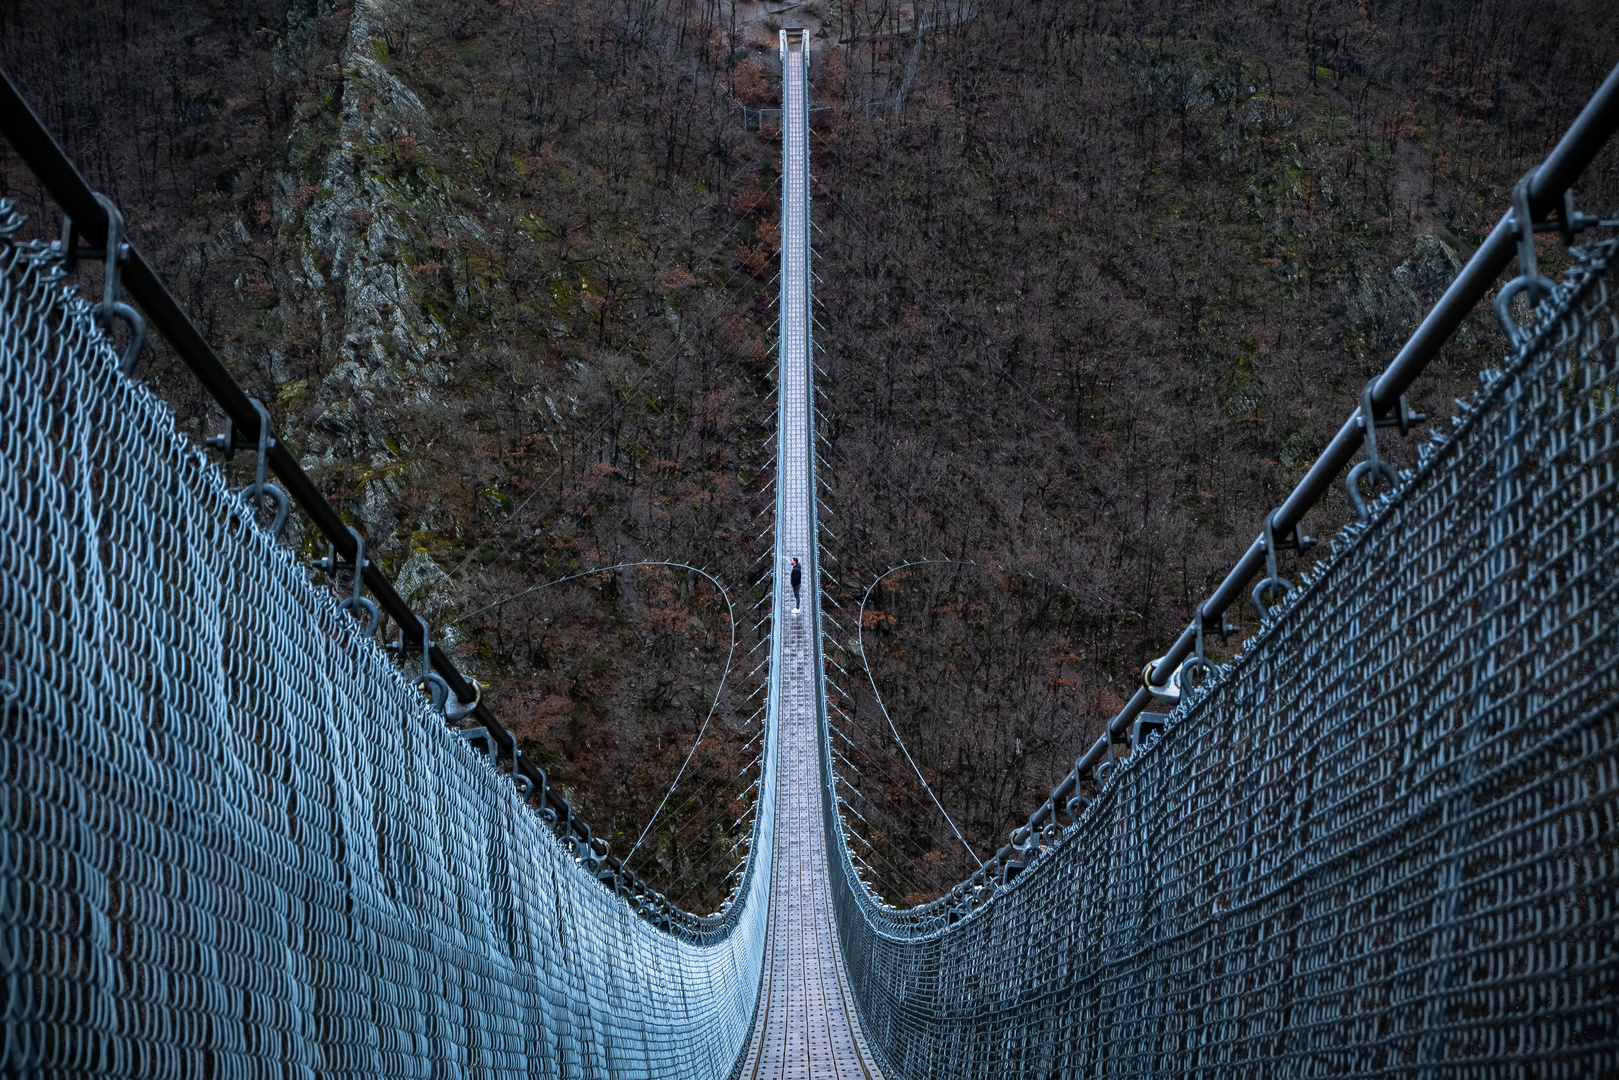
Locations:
(1089, 303)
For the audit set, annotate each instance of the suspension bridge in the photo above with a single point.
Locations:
(240, 840)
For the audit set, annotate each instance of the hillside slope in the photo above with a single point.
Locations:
(1097, 281)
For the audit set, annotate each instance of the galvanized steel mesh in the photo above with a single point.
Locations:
(234, 840)
(1383, 842)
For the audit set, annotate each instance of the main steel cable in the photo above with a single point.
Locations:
(730, 611)
(860, 636)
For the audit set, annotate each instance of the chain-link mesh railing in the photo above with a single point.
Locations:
(1385, 841)
(234, 840)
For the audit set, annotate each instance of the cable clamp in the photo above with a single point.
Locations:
(1275, 585)
(112, 305)
(1169, 693)
(458, 710)
(254, 494)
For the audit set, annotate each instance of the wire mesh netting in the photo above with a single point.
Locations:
(1381, 843)
(234, 840)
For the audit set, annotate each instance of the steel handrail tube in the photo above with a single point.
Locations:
(1580, 144)
(1585, 137)
(66, 186)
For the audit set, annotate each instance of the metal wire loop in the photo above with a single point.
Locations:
(137, 333)
(1529, 278)
(1076, 806)
(1373, 466)
(546, 813)
(1276, 587)
(112, 305)
(254, 494)
(1274, 584)
(431, 681)
(1196, 664)
(359, 605)
(357, 602)
(1518, 334)
(584, 848)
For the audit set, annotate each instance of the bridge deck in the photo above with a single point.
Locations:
(806, 1026)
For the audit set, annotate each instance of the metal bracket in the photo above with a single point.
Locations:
(431, 682)
(1374, 466)
(1146, 724)
(525, 786)
(1529, 280)
(1402, 418)
(112, 305)
(254, 494)
(357, 601)
(473, 734)
(229, 442)
(1275, 584)
(1018, 857)
(1219, 625)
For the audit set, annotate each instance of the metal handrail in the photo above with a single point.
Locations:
(45, 158)
(1546, 186)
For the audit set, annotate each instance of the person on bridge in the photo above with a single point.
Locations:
(797, 580)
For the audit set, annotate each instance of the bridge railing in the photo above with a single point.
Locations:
(91, 218)
(1547, 188)
(235, 836)
(1383, 839)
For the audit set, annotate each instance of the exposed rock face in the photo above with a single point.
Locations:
(1426, 275)
(1386, 307)
(387, 353)
(1423, 278)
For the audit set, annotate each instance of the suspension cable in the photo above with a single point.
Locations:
(860, 635)
(730, 612)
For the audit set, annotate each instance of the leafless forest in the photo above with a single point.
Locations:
(1096, 282)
